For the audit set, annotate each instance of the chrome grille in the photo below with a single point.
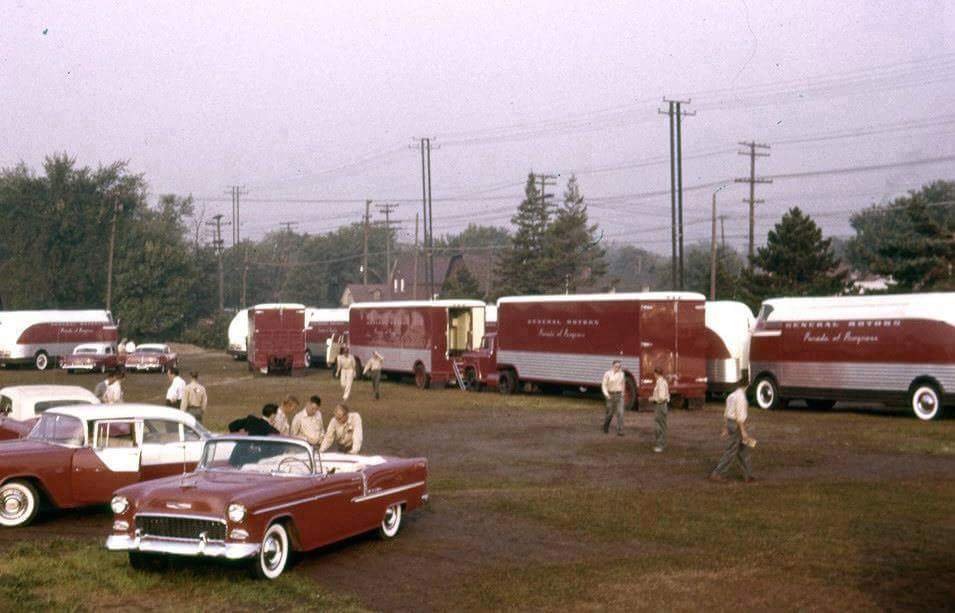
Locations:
(172, 526)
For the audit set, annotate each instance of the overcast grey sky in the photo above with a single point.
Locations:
(322, 100)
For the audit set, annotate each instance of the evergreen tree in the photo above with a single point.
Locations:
(462, 284)
(796, 261)
(729, 265)
(911, 240)
(522, 266)
(573, 249)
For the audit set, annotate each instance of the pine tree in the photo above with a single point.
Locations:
(924, 258)
(462, 284)
(522, 266)
(796, 261)
(573, 248)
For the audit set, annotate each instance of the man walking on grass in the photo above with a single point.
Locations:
(612, 386)
(738, 441)
(373, 367)
(345, 371)
(194, 397)
(660, 398)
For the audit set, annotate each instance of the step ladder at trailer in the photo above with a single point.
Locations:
(457, 375)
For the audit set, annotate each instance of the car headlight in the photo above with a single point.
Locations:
(119, 504)
(236, 512)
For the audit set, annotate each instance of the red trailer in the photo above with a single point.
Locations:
(570, 341)
(416, 337)
(325, 332)
(896, 349)
(276, 338)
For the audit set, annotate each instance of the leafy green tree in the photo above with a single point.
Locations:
(55, 230)
(910, 240)
(633, 269)
(475, 237)
(572, 245)
(158, 291)
(796, 261)
(462, 284)
(522, 267)
(729, 265)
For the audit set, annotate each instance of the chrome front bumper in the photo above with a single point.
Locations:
(182, 547)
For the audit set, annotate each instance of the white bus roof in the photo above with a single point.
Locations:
(312, 314)
(732, 322)
(446, 304)
(936, 306)
(618, 297)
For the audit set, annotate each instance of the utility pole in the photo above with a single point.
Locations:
(753, 180)
(427, 210)
(713, 247)
(387, 209)
(288, 225)
(245, 277)
(675, 114)
(236, 191)
(414, 292)
(723, 233)
(117, 209)
(366, 222)
(217, 243)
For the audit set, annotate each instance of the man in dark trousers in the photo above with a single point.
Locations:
(738, 441)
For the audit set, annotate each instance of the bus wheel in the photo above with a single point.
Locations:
(41, 360)
(507, 382)
(926, 401)
(421, 378)
(630, 396)
(766, 392)
(308, 359)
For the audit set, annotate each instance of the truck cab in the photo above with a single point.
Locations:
(478, 367)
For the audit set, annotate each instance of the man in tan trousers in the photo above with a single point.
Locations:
(373, 369)
(345, 371)
(660, 399)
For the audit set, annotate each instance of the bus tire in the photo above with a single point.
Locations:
(421, 378)
(766, 393)
(507, 382)
(925, 401)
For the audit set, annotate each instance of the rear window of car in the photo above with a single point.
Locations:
(51, 404)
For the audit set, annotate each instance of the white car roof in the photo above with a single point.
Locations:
(125, 411)
(161, 346)
(92, 346)
(48, 392)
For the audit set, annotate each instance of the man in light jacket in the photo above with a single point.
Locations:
(612, 386)
(660, 399)
(738, 440)
(345, 370)
(373, 369)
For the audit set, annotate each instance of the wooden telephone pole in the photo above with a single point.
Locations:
(752, 180)
(217, 243)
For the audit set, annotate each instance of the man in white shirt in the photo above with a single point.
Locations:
(738, 440)
(344, 433)
(374, 368)
(660, 399)
(345, 370)
(194, 398)
(612, 387)
(177, 385)
(114, 391)
(307, 424)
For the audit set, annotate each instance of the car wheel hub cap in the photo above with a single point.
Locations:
(14, 504)
(766, 394)
(272, 553)
(926, 403)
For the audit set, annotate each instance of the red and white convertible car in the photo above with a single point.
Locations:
(258, 498)
(151, 357)
(79, 455)
(20, 405)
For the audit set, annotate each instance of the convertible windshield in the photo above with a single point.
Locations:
(257, 456)
(59, 429)
(149, 350)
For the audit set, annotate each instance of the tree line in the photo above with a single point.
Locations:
(56, 226)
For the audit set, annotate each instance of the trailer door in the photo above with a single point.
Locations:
(691, 346)
(658, 337)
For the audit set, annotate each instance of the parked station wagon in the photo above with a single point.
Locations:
(21, 404)
(151, 357)
(91, 357)
(79, 455)
(258, 498)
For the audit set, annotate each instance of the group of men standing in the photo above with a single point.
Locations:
(343, 433)
(739, 443)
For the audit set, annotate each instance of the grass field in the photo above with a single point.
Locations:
(533, 507)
